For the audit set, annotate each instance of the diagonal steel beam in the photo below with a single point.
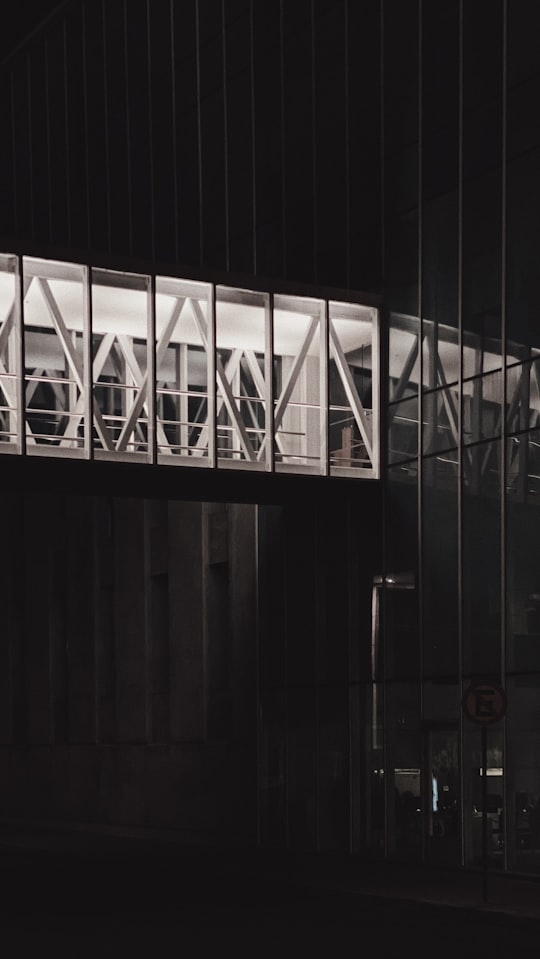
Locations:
(223, 381)
(102, 429)
(142, 380)
(260, 384)
(5, 329)
(451, 409)
(230, 371)
(74, 360)
(290, 383)
(407, 370)
(350, 390)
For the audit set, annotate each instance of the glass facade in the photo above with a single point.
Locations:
(97, 363)
(461, 478)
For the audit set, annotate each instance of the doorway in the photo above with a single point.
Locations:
(442, 796)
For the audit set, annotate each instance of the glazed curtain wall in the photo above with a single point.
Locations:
(157, 369)
(239, 135)
(462, 205)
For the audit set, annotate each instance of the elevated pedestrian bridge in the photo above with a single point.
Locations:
(102, 365)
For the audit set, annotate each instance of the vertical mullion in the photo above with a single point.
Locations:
(376, 395)
(253, 142)
(151, 361)
(225, 134)
(86, 127)
(348, 140)
(106, 126)
(314, 146)
(66, 132)
(504, 426)
(199, 134)
(211, 367)
(150, 134)
(87, 363)
(174, 137)
(30, 157)
(283, 159)
(48, 125)
(269, 381)
(21, 414)
(461, 454)
(14, 151)
(128, 130)
(420, 475)
(323, 388)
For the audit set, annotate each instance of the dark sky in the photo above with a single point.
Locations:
(21, 21)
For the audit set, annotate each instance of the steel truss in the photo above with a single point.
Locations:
(108, 365)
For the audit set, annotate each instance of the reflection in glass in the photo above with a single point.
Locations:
(440, 420)
(403, 356)
(482, 398)
(523, 396)
(352, 382)
(403, 430)
(481, 558)
(440, 568)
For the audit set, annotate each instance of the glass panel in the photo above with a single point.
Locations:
(298, 348)
(523, 248)
(440, 570)
(440, 420)
(240, 376)
(482, 275)
(403, 430)
(403, 356)
(333, 768)
(8, 351)
(481, 559)
(523, 396)
(523, 552)
(54, 335)
(272, 753)
(523, 468)
(523, 745)
(404, 751)
(302, 767)
(399, 592)
(443, 806)
(371, 710)
(472, 794)
(440, 352)
(482, 398)
(351, 375)
(182, 370)
(120, 347)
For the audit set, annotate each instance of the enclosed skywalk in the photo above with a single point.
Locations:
(97, 364)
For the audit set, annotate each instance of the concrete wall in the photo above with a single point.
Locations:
(127, 662)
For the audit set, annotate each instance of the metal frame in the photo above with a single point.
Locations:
(107, 397)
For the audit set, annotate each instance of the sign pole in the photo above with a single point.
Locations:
(484, 817)
(484, 703)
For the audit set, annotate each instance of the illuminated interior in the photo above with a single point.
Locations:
(106, 364)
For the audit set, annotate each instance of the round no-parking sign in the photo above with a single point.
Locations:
(484, 703)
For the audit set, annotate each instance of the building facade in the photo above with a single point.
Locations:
(277, 644)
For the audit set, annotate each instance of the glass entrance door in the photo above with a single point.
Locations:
(442, 788)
